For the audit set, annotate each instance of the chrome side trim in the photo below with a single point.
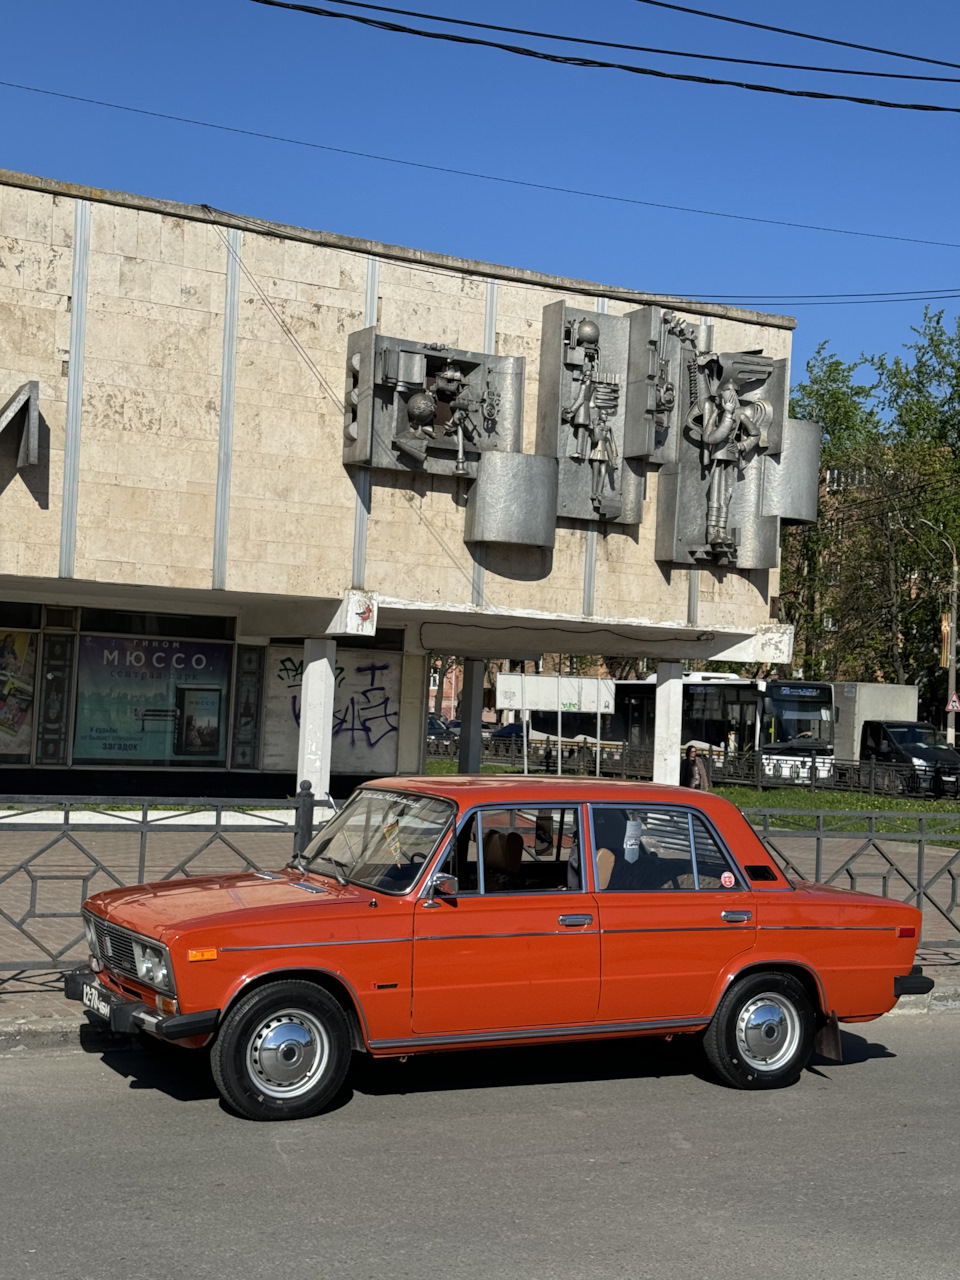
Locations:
(468, 937)
(712, 928)
(330, 942)
(839, 928)
(541, 1033)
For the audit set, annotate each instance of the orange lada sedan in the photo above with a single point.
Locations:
(447, 913)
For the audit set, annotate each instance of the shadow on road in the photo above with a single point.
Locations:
(856, 1049)
(185, 1074)
(634, 1059)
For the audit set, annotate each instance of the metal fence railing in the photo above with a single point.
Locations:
(913, 857)
(56, 852)
(762, 770)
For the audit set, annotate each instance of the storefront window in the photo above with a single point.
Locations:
(18, 666)
(151, 701)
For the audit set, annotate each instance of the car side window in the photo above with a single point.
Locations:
(463, 860)
(531, 849)
(714, 870)
(644, 850)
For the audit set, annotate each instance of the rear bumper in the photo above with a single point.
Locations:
(912, 983)
(126, 1015)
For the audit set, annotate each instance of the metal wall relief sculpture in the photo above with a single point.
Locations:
(619, 397)
(424, 407)
(583, 415)
(738, 466)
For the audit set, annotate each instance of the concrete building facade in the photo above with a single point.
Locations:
(191, 577)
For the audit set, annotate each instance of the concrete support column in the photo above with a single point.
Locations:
(667, 727)
(471, 714)
(316, 713)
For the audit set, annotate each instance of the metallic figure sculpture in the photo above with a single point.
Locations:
(727, 420)
(589, 415)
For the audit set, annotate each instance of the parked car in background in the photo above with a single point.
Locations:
(436, 727)
(436, 913)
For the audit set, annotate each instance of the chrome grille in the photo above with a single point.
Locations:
(116, 947)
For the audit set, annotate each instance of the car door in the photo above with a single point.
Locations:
(674, 911)
(519, 945)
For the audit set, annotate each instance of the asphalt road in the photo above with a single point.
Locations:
(610, 1160)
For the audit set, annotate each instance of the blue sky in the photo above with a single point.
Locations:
(238, 63)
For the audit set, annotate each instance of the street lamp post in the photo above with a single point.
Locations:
(951, 715)
(952, 655)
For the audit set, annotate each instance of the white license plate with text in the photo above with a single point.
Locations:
(95, 1000)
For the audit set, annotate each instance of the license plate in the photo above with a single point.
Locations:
(95, 1000)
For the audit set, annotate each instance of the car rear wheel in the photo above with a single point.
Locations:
(761, 1036)
(282, 1052)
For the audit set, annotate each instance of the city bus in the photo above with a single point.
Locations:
(789, 721)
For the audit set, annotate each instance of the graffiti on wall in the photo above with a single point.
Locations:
(366, 710)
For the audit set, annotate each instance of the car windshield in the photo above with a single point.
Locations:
(381, 838)
(907, 735)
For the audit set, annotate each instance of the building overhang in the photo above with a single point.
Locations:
(464, 630)
(485, 633)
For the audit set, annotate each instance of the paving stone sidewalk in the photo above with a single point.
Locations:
(35, 1015)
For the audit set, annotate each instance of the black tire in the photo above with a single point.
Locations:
(282, 1052)
(761, 1036)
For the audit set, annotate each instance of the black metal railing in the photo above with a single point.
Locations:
(56, 852)
(913, 857)
(761, 770)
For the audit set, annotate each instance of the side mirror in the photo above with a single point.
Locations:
(444, 886)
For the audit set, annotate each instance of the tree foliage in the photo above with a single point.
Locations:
(866, 585)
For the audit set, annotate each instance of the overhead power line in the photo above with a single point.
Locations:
(566, 60)
(880, 293)
(809, 300)
(483, 177)
(853, 302)
(645, 48)
(800, 35)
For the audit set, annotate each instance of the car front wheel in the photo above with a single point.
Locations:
(282, 1052)
(761, 1036)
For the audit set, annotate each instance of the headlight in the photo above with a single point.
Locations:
(153, 965)
(918, 763)
(93, 944)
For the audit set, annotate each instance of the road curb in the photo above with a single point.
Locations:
(71, 1029)
(52, 1032)
(944, 998)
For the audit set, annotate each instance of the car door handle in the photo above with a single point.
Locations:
(574, 922)
(736, 917)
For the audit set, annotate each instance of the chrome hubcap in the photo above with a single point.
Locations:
(287, 1053)
(768, 1032)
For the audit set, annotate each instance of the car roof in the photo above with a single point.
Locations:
(468, 789)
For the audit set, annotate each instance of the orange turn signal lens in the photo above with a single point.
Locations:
(202, 953)
(166, 1006)
(906, 931)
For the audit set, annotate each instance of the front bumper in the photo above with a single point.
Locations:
(126, 1015)
(912, 983)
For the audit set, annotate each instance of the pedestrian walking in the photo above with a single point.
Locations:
(693, 772)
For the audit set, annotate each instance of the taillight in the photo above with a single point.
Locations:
(906, 931)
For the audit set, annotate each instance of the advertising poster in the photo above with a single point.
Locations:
(18, 666)
(366, 710)
(151, 702)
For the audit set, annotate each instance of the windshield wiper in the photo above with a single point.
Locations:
(337, 867)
